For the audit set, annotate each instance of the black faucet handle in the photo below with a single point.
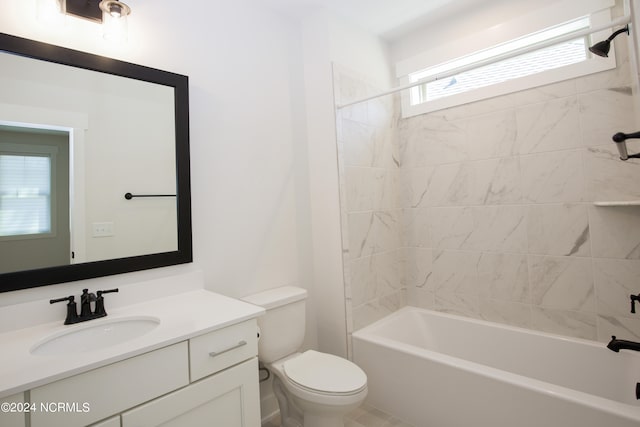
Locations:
(620, 136)
(70, 298)
(108, 291)
(72, 312)
(100, 311)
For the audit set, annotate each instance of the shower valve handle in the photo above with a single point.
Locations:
(634, 298)
(621, 137)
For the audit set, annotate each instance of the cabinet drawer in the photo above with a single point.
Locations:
(217, 350)
(112, 389)
(228, 399)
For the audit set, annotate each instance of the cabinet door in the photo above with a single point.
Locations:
(229, 398)
(111, 422)
(13, 412)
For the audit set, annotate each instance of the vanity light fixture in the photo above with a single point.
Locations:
(602, 48)
(114, 19)
(112, 14)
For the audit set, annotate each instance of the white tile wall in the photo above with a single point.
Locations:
(374, 225)
(553, 177)
(486, 209)
(558, 229)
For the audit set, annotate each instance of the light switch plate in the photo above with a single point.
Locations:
(102, 229)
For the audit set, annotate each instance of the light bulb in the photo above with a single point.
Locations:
(114, 20)
(115, 11)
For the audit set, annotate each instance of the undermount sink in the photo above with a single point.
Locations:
(94, 336)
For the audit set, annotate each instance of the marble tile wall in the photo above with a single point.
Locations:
(372, 221)
(497, 198)
(486, 210)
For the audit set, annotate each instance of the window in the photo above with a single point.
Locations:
(540, 51)
(25, 192)
(538, 61)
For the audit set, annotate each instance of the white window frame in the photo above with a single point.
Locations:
(599, 12)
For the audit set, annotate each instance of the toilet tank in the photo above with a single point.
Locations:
(282, 327)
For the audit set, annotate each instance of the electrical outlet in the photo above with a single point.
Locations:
(102, 229)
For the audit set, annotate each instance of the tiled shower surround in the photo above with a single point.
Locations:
(486, 209)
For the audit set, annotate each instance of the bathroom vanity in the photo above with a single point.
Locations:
(185, 360)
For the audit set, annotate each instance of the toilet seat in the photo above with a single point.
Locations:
(326, 374)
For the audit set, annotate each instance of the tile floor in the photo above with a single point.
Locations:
(364, 416)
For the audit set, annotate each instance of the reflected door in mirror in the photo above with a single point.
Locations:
(34, 199)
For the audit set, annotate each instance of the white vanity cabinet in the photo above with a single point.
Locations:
(111, 389)
(12, 413)
(226, 399)
(207, 380)
(111, 422)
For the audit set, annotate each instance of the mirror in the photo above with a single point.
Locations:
(78, 132)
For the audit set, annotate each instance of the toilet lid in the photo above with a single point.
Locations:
(325, 373)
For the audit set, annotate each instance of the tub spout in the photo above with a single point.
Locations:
(617, 345)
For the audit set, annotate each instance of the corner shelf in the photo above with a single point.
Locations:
(611, 204)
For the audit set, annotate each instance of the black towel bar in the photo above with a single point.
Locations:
(130, 196)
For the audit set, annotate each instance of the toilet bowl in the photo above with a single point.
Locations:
(313, 389)
(322, 387)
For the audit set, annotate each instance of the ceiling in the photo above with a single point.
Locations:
(390, 19)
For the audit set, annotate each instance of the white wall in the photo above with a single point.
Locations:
(243, 64)
(361, 51)
(464, 25)
(326, 40)
(327, 291)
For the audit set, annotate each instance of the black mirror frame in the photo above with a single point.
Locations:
(184, 254)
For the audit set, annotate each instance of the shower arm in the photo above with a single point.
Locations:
(620, 138)
(620, 31)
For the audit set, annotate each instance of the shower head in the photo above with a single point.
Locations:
(602, 48)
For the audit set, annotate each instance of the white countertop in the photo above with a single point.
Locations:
(182, 316)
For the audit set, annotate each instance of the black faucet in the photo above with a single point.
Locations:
(617, 345)
(85, 303)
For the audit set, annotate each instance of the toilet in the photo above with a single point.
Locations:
(313, 389)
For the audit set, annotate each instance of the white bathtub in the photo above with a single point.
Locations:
(439, 370)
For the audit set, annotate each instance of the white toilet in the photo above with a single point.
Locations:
(313, 389)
